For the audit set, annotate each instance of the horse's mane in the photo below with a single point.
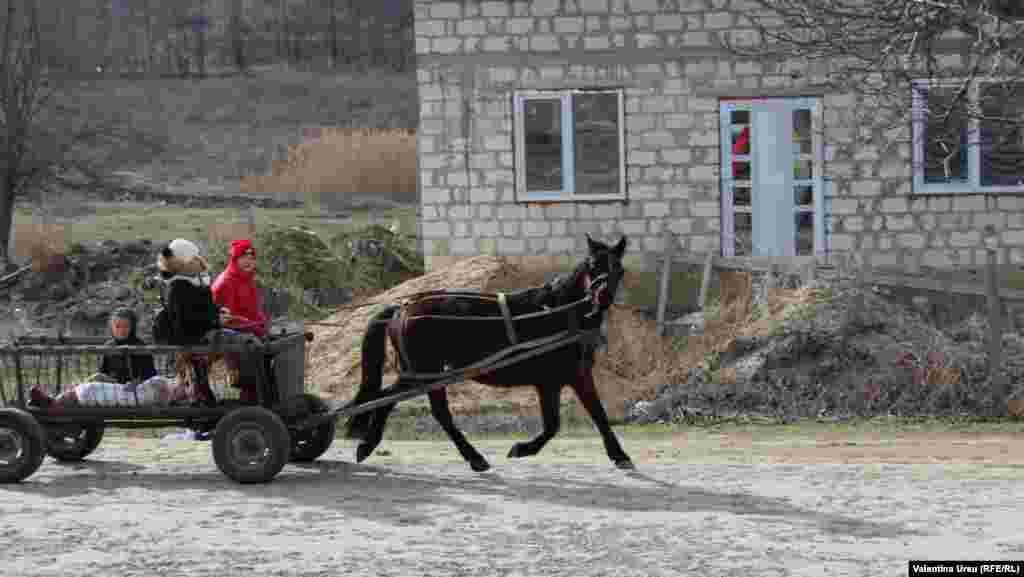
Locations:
(561, 290)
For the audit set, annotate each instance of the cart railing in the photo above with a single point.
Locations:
(53, 365)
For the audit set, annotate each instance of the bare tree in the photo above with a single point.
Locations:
(237, 35)
(22, 95)
(958, 61)
(200, 24)
(332, 31)
(39, 132)
(112, 24)
(282, 29)
(148, 15)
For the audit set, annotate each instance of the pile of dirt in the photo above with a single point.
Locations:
(81, 288)
(828, 351)
(630, 367)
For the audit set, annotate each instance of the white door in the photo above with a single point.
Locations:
(772, 190)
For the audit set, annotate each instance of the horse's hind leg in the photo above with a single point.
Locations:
(550, 397)
(586, 392)
(375, 433)
(443, 414)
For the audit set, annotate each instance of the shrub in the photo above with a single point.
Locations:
(294, 259)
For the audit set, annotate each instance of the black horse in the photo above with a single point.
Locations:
(441, 330)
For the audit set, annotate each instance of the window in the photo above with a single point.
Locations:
(968, 140)
(569, 145)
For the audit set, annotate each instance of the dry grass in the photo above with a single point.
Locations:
(43, 244)
(335, 350)
(735, 319)
(342, 160)
(221, 234)
(1015, 408)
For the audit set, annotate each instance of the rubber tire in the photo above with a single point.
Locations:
(27, 430)
(308, 445)
(269, 429)
(88, 440)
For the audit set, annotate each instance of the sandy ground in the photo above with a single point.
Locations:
(699, 504)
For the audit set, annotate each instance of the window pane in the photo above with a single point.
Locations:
(744, 234)
(803, 169)
(945, 136)
(741, 170)
(803, 195)
(597, 142)
(543, 136)
(740, 117)
(802, 131)
(741, 196)
(741, 140)
(804, 233)
(1002, 134)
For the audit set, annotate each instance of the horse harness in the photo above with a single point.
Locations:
(593, 288)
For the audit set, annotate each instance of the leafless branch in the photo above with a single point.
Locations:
(970, 51)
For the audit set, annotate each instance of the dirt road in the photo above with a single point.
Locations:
(696, 506)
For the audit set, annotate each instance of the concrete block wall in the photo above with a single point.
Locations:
(667, 56)
(874, 212)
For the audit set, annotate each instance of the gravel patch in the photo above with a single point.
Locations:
(146, 507)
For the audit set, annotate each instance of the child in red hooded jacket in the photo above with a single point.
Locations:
(235, 290)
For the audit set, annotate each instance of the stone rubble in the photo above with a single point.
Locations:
(828, 362)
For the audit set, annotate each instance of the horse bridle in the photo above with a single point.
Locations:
(595, 288)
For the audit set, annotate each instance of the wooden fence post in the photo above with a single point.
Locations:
(705, 281)
(855, 314)
(664, 279)
(995, 316)
(250, 220)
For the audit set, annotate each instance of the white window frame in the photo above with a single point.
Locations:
(568, 191)
(972, 185)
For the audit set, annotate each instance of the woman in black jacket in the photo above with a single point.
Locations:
(188, 299)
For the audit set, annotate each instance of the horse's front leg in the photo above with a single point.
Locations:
(443, 414)
(586, 392)
(549, 396)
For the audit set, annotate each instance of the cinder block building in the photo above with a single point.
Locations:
(542, 120)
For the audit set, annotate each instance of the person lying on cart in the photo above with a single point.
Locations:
(156, 390)
(195, 319)
(236, 292)
(122, 380)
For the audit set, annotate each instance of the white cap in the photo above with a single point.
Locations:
(184, 249)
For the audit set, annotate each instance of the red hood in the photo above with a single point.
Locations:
(238, 248)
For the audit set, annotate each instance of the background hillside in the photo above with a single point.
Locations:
(139, 37)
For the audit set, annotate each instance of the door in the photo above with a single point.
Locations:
(772, 191)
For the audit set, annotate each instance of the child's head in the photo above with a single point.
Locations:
(243, 254)
(122, 323)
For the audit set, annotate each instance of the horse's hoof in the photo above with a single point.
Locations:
(363, 451)
(517, 451)
(625, 465)
(480, 466)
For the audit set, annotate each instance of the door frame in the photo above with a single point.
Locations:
(787, 106)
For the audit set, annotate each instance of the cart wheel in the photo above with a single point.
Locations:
(22, 445)
(72, 443)
(251, 445)
(309, 444)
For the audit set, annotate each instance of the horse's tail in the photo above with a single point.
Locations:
(374, 351)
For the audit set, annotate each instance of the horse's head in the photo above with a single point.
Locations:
(602, 272)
